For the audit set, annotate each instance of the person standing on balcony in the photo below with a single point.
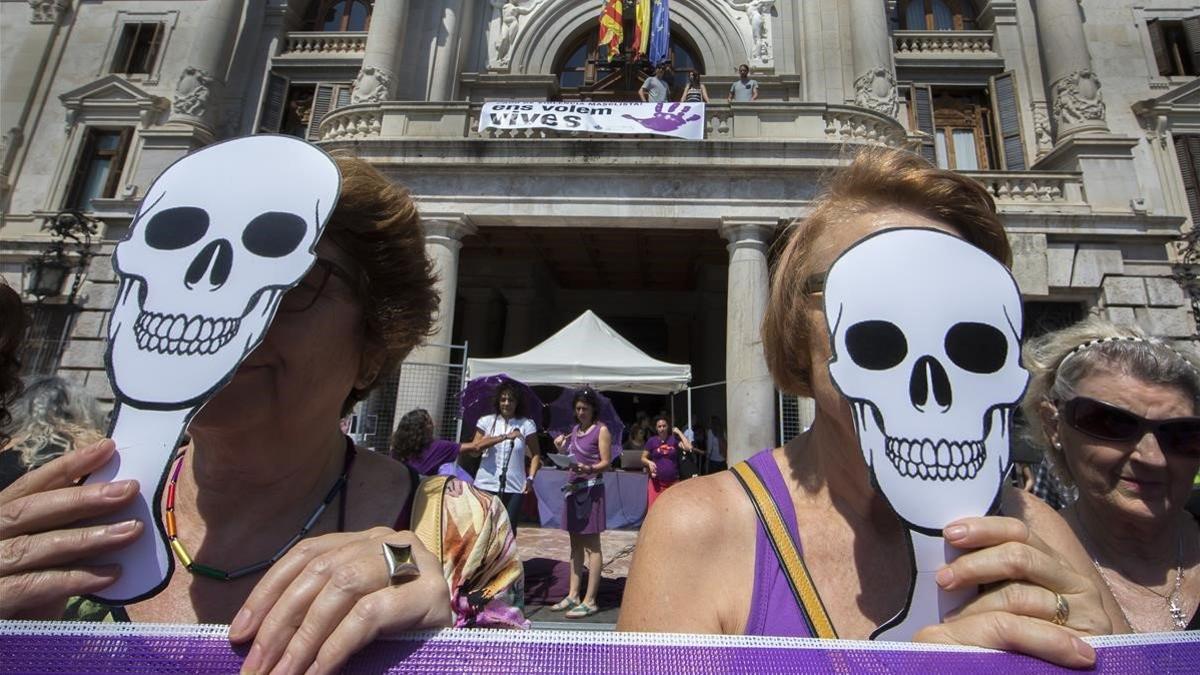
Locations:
(695, 91)
(743, 89)
(655, 89)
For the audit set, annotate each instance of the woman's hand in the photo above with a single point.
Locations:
(513, 434)
(1019, 577)
(41, 548)
(559, 440)
(330, 596)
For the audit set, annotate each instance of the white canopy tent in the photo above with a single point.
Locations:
(588, 351)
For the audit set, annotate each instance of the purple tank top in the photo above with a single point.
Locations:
(773, 608)
(585, 449)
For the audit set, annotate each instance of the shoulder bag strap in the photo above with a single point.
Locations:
(785, 549)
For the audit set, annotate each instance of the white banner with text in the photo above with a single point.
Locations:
(678, 120)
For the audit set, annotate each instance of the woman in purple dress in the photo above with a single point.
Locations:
(414, 444)
(590, 446)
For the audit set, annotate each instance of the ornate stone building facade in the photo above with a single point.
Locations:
(1082, 119)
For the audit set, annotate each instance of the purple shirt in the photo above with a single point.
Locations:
(665, 455)
(436, 454)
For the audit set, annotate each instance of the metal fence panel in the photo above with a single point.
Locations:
(435, 387)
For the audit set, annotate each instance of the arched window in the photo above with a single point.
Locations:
(339, 15)
(585, 71)
(937, 15)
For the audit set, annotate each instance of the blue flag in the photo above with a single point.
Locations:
(660, 33)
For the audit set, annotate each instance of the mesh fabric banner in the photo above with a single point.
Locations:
(60, 647)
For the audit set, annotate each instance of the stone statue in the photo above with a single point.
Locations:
(48, 11)
(502, 32)
(1041, 128)
(758, 14)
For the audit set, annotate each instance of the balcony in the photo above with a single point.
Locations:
(772, 138)
(943, 43)
(316, 45)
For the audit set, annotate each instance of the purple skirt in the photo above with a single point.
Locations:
(583, 511)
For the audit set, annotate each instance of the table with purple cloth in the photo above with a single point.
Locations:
(79, 647)
(624, 497)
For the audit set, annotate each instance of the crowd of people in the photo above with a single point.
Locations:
(1115, 410)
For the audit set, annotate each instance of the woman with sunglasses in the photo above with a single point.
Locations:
(1116, 412)
(279, 524)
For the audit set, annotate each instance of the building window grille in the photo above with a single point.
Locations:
(137, 50)
(98, 169)
(1176, 45)
(936, 15)
(339, 15)
(46, 337)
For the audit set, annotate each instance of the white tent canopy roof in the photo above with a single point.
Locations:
(588, 351)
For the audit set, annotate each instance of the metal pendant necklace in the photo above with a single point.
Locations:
(1174, 606)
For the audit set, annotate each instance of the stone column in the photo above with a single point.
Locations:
(424, 373)
(200, 85)
(749, 392)
(874, 74)
(376, 79)
(1075, 100)
(445, 47)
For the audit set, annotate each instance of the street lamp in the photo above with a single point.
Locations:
(46, 273)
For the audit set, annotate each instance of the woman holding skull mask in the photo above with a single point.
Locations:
(1116, 412)
(1036, 574)
(264, 452)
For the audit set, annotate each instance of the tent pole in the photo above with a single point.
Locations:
(689, 407)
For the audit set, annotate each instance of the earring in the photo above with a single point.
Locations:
(1057, 445)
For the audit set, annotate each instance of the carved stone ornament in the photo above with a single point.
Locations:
(192, 92)
(876, 90)
(1077, 99)
(1041, 128)
(48, 11)
(371, 85)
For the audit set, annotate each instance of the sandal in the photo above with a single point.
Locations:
(566, 603)
(581, 610)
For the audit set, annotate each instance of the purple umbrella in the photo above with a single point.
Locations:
(479, 399)
(562, 417)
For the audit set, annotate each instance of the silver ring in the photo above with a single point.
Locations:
(1062, 611)
(401, 565)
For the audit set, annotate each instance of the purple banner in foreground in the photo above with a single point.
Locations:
(58, 647)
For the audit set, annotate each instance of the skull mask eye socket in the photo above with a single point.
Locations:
(876, 345)
(176, 228)
(976, 347)
(274, 234)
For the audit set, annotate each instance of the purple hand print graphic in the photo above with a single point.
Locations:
(666, 121)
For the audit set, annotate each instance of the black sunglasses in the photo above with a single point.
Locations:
(1107, 422)
(304, 295)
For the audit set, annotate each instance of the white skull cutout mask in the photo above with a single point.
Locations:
(220, 236)
(926, 339)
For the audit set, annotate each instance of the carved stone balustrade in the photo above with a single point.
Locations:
(943, 43)
(1034, 187)
(314, 44)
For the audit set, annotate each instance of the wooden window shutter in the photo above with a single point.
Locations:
(922, 100)
(342, 99)
(1191, 31)
(115, 169)
(322, 104)
(87, 150)
(270, 118)
(1158, 43)
(1187, 150)
(1008, 121)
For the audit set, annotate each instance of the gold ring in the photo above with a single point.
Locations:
(401, 565)
(1062, 611)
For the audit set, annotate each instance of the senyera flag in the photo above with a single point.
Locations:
(82, 647)
(612, 30)
(641, 28)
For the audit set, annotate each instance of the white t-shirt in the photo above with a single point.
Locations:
(507, 456)
(714, 448)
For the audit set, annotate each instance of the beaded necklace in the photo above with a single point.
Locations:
(339, 488)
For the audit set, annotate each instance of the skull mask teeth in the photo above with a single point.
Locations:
(180, 334)
(926, 345)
